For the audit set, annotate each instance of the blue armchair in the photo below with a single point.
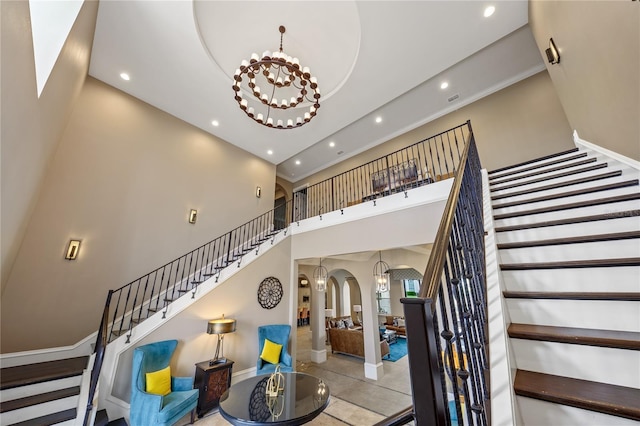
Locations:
(149, 409)
(277, 333)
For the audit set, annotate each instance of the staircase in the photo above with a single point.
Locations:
(43, 393)
(568, 237)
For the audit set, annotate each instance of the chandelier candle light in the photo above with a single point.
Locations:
(278, 83)
(320, 275)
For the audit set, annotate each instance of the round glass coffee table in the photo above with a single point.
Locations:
(302, 398)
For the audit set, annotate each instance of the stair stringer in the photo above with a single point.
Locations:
(116, 407)
(502, 372)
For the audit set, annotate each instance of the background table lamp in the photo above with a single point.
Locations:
(357, 309)
(220, 326)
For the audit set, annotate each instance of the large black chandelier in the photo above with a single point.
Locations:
(279, 84)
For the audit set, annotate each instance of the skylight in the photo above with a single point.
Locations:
(51, 22)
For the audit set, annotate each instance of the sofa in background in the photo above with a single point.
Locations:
(347, 322)
(351, 342)
(396, 324)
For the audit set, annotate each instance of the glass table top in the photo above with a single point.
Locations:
(301, 399)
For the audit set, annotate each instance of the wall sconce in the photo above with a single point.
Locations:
(72, 250)
(258, 192)
(193, 215)
(553, 56)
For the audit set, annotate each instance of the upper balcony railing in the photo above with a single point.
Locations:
(429, 160)
(424, 162)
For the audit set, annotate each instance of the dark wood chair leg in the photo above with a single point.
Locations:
(193, 416)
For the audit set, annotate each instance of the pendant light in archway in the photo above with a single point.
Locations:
(320, 276)
(381, 275)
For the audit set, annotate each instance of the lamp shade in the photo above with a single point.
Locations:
(357, 308)
(221, 326)
(329, 313)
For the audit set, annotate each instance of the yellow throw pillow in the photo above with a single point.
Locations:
(159, 382)
(271, 352)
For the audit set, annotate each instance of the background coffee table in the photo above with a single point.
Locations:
(303, 398)
(390, 336)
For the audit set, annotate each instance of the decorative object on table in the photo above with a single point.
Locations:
(258, 409)
(279, 85)
(270, 337)
(320, 276)
(174, 397)
(357, 309)
(211, 381)
(220, 326)
(381, 275)
(270, 292)
(274, 393)
(321, 394)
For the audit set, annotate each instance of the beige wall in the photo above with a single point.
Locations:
(518, 123)
(189, 327)
(598, 77)
(123, 180)
(31, 126)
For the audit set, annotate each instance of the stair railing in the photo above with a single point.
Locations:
(446, 324)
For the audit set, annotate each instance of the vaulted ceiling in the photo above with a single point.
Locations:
(372, 59)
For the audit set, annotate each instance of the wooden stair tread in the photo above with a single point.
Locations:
(570, 295)
(566, 173)
(577, 336)
(549, 197)
(28, 401)
(562, 165)
(557, 185)
(524, 163)
(560, 207)
(51, 419)
(22, 375)
(571, 220)
(601, 397)
(571, 240)
(590, 263)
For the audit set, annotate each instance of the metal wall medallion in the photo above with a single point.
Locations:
(270, 293)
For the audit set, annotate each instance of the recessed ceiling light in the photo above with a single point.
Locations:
(297, 162)
(332, 144)
(489, 11)
(378, 119)
(444, 85)
(215, 123)
(125, 76)
(270, 152)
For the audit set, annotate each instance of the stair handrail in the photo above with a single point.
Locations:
(451, 305)
(101, 345)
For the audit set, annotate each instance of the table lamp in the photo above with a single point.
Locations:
(220, 326)
(357, 309)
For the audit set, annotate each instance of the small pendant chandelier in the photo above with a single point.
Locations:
(381, 275)
(320, 276)
(279, 84)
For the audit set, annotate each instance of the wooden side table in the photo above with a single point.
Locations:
(212, 381)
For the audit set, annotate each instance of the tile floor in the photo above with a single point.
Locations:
(355, 400)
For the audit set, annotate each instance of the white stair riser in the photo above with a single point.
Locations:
(609, 209)
(573, 187)
(566, 200)
(603, 315)
(538, 162)
(579, 361)
(595, 250)
(572, 164)
(572, 230)
(39, 410)
(616, 279)
(535, 412)
(48, 386)
(542, 176)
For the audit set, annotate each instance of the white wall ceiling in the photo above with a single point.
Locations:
(371, 58)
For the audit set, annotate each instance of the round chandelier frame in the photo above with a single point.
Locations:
(270, 74)
(381, 275)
